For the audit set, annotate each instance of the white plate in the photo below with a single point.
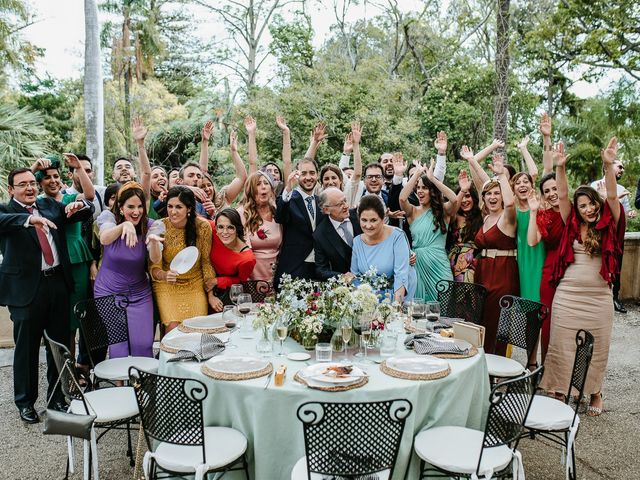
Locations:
(299, 356)
(209, 321)
(189, 341)
(314, 372)
(184, 260)
(236, 364)
(423, 364)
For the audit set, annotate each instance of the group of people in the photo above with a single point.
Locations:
(63, 243)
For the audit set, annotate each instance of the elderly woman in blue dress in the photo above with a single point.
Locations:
(384, 247)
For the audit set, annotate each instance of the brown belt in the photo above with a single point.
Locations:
(494, 252)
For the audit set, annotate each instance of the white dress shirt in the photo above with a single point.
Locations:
(54, 250)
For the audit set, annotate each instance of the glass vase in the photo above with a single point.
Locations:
(265, 341)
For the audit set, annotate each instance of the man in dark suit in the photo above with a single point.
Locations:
(298, 212)
(333, 239)
(35, 280)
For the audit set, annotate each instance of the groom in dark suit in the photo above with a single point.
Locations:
(35, 281)
(298, 212)
(333, 239)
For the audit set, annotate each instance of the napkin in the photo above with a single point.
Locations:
(210, 346)
(428, 344)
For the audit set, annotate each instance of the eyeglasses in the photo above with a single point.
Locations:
(373, 177)
(339, 204)
(25, 185)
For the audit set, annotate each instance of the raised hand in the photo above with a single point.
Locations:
(497, 164)
(429, 172)
(466, 153)
(207, 130)
(41, 164)
(523, 143)
(464, 182)
(347, 147)
(233, 141)
(318, 134)
(209, 207)
(532, 199)
(610, 153)
(70, 160)
(399, 164)
(153, 238)
(282, 123)
(395, 214)
(559, 155)
(250, 124)
(292, 180)
(441, 143)
(545, 125)
(497, 144)
(138, 130)
(356, 132)
(129, 234)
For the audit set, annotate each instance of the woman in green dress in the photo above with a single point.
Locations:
(47, 172)
(428, 223)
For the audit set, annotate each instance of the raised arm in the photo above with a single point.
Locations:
(356, 136)
(528, 159)
(399, 167)
(237, 184)
(533, 234)
(139, 134)
(547, 146)
(440, 168)
(478, 175)
(608, 156)
(88, 190)
(508, 218)
(464, 182)
(205, 135)
(318, 134)
(252, 147)
(450, 207)
(560, 159)
(286, 146)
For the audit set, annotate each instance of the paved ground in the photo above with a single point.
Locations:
(607, 447)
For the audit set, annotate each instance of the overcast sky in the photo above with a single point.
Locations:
(60, 31)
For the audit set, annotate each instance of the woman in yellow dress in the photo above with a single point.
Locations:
(181, 296)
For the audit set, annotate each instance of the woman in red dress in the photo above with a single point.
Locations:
(546, 225)
(497, 269)
(231, 257)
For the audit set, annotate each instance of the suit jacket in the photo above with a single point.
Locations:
(297, 232)
(20, 271)
(333, 255)
(394, 204)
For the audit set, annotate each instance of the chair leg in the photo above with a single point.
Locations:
(245, 466)
(66, 474)
(421, 469)
(129, 450)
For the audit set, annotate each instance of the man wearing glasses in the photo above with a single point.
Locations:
(35, 280)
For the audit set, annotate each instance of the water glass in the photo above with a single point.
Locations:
(323, 352)
(389, 343)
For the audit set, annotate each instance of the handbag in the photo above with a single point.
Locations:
(65, 423)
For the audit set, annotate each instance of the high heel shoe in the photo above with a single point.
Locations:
(592, 410)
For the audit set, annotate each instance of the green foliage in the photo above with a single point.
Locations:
(291, 44)
(16, 54)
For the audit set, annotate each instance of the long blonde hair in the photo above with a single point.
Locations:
(252, 218)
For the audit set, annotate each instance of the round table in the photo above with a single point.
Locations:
(268, 417)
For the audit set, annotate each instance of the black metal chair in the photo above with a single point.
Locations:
(556, 420)
(461, 300)
(351, 440)
(113, 407)
(462, 452)
(258, 289)
(104, 322)
(171, 414)
(519, 324)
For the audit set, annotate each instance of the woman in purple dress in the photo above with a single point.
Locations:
(127, 234)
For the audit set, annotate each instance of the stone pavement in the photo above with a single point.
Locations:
(607, 447)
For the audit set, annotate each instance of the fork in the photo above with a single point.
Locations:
(266, 385)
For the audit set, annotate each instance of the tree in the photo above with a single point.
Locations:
(501, 109)
(15, 53)
(93, 90)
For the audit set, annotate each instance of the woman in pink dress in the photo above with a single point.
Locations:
(262, 232)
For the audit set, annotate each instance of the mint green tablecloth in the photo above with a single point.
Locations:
(268, 417)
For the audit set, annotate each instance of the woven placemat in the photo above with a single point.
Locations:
(186, 329)
(413, 376)
(236, 376)
(338, 388)
(472, 352)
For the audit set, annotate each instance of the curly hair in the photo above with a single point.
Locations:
(188, 199)
(252, 219)
(436, 203)
(593, 239)
(124, 193)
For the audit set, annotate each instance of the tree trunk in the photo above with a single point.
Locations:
(93, 93)
(128, 76)
(502, 72)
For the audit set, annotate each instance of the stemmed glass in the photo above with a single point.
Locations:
(229, 317)
(282, 330)
(357, 329)
(234, 291)
(365, 326)
(244, 305)
(433, 313)
(418, 309)
(346, 329)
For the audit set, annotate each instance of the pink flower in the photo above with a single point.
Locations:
(262, 234)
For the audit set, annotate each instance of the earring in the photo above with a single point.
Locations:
(121, 213)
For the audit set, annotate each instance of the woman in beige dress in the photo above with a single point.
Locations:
(584, 272)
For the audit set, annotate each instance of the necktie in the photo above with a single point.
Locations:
(347, 234)
(309, 201)
(44, 243)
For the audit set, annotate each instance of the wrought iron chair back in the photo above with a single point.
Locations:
(170, 408)
(68, 383)
(353, 439)
(581, 362)
(103, 321)
(461, 300)
(520, 322)
(258, 289)
(509, 404)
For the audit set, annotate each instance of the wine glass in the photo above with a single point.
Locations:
(282, 329)
(346, 329)
(433, 313)
(244, 306)
(234, 291)
(357, 329)
(366, 337)
(230, 322)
